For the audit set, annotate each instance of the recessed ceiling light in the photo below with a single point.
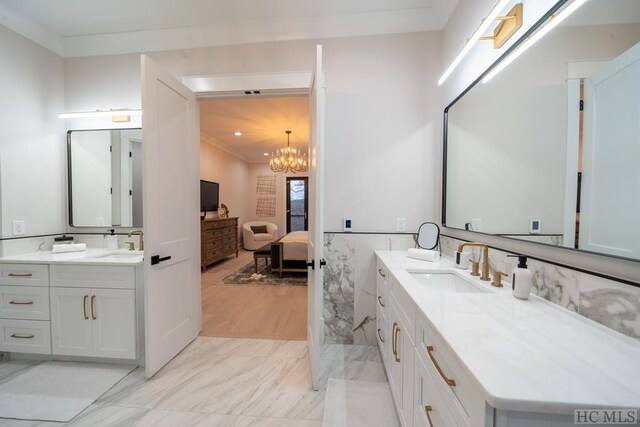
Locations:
(237, 133)
(266, 154)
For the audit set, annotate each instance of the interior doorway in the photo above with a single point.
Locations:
(297, 204)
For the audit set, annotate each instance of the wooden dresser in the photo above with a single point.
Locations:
(218, 240)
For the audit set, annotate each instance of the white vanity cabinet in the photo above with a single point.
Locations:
(93, 311)
(400, 365)
(382, 323)
(24, 308)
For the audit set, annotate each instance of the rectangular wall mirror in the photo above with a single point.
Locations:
(105, 177)
(548, 149)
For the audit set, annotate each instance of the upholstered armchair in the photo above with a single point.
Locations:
(254, 235)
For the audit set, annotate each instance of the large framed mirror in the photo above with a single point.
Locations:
(548, 149)
(105, 177)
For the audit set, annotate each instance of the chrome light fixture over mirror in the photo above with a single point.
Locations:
(288, 159)
(428, 235)
(547, 149)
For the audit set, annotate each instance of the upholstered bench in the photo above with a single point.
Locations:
(262, 252)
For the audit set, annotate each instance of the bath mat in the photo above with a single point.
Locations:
(358, 403)
(57, 391)
(247, 276)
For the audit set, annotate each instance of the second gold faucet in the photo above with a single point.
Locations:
(485, 257)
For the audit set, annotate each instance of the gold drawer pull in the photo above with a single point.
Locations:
(93, 309)
(395, 345)
(427, 410)
(84, 307)
(380, 302)
(21, 302)
(449, 382)
(380, 336)
(381, 272)
(20, 274)
(23, 336)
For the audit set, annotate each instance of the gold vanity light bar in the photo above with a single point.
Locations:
(509, 25)
(474, 38)
(551, 23)
(116, 115)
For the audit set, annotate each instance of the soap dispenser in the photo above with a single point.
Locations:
(522, 278)
(112, 240)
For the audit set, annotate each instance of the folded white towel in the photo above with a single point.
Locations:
(423, 254)
(71, 247)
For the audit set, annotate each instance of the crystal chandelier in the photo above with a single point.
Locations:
(288, 159)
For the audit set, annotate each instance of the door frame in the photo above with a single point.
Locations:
(306, 200)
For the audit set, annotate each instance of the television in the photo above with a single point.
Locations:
(209, 193)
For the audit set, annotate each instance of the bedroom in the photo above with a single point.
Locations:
(247, 293)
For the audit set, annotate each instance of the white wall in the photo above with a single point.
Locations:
(230, 172)
(383, 116)
(32, 137)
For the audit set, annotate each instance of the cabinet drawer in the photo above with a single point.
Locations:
(382, 297)
(405, 306)
(232, 247)
(25, 336)
(382, 335)
(382, 273)
(429, 409)
(230, 231)
(213, 234)
(24, 274)
(94, 276)
(229, 239)
(442, 366)
(24, 302)
(210, 246)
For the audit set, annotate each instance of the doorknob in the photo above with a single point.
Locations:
(155, 259)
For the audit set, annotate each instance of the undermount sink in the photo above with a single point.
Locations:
(120, 255)
(447, 282)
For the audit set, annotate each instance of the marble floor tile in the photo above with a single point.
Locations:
(358, 404)
(289, 349)
(358, 353)
(231, 346)
(11, 368)
(100, 415)
(351, 370)
(245, 421)
(161, 418)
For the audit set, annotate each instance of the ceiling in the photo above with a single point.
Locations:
(95, 27)
(262, 122)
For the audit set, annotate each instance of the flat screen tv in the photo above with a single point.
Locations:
(209, 193)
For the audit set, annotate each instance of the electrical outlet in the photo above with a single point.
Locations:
(18, 228)
(476, 224)
(401, 224)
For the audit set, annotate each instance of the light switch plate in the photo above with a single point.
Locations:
(476, 224)
(535, 226)
(18, 227)
(401, 224)
(347, 224)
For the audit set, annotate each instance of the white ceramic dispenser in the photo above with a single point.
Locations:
(522, 278)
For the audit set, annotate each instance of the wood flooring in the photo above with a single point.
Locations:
(251, 311)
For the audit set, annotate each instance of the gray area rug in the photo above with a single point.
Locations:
(247, 276)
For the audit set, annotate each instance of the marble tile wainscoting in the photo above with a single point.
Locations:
(350, 284)
(610, 303)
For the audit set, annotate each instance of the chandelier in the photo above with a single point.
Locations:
(288, 159)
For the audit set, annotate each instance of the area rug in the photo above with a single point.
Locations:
(362, 403)
(247, 276)
(57, 391)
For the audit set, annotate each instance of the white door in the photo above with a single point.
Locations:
(114, 323)
(610, 159)
(316, 217)
(171, 222)
(71, 332)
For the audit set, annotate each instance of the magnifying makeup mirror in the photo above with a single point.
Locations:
(428, 235)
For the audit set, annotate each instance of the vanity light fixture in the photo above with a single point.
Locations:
(122, 115)
(551, 23)
(484, 25)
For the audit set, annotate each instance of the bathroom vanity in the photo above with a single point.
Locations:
(83, 304)
(459, 352)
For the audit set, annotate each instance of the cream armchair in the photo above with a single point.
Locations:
(253, 241)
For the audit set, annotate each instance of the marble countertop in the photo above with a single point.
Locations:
(526, 355)
(92, 256)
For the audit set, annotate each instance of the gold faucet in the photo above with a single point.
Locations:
(485, 257)
(138, 233)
